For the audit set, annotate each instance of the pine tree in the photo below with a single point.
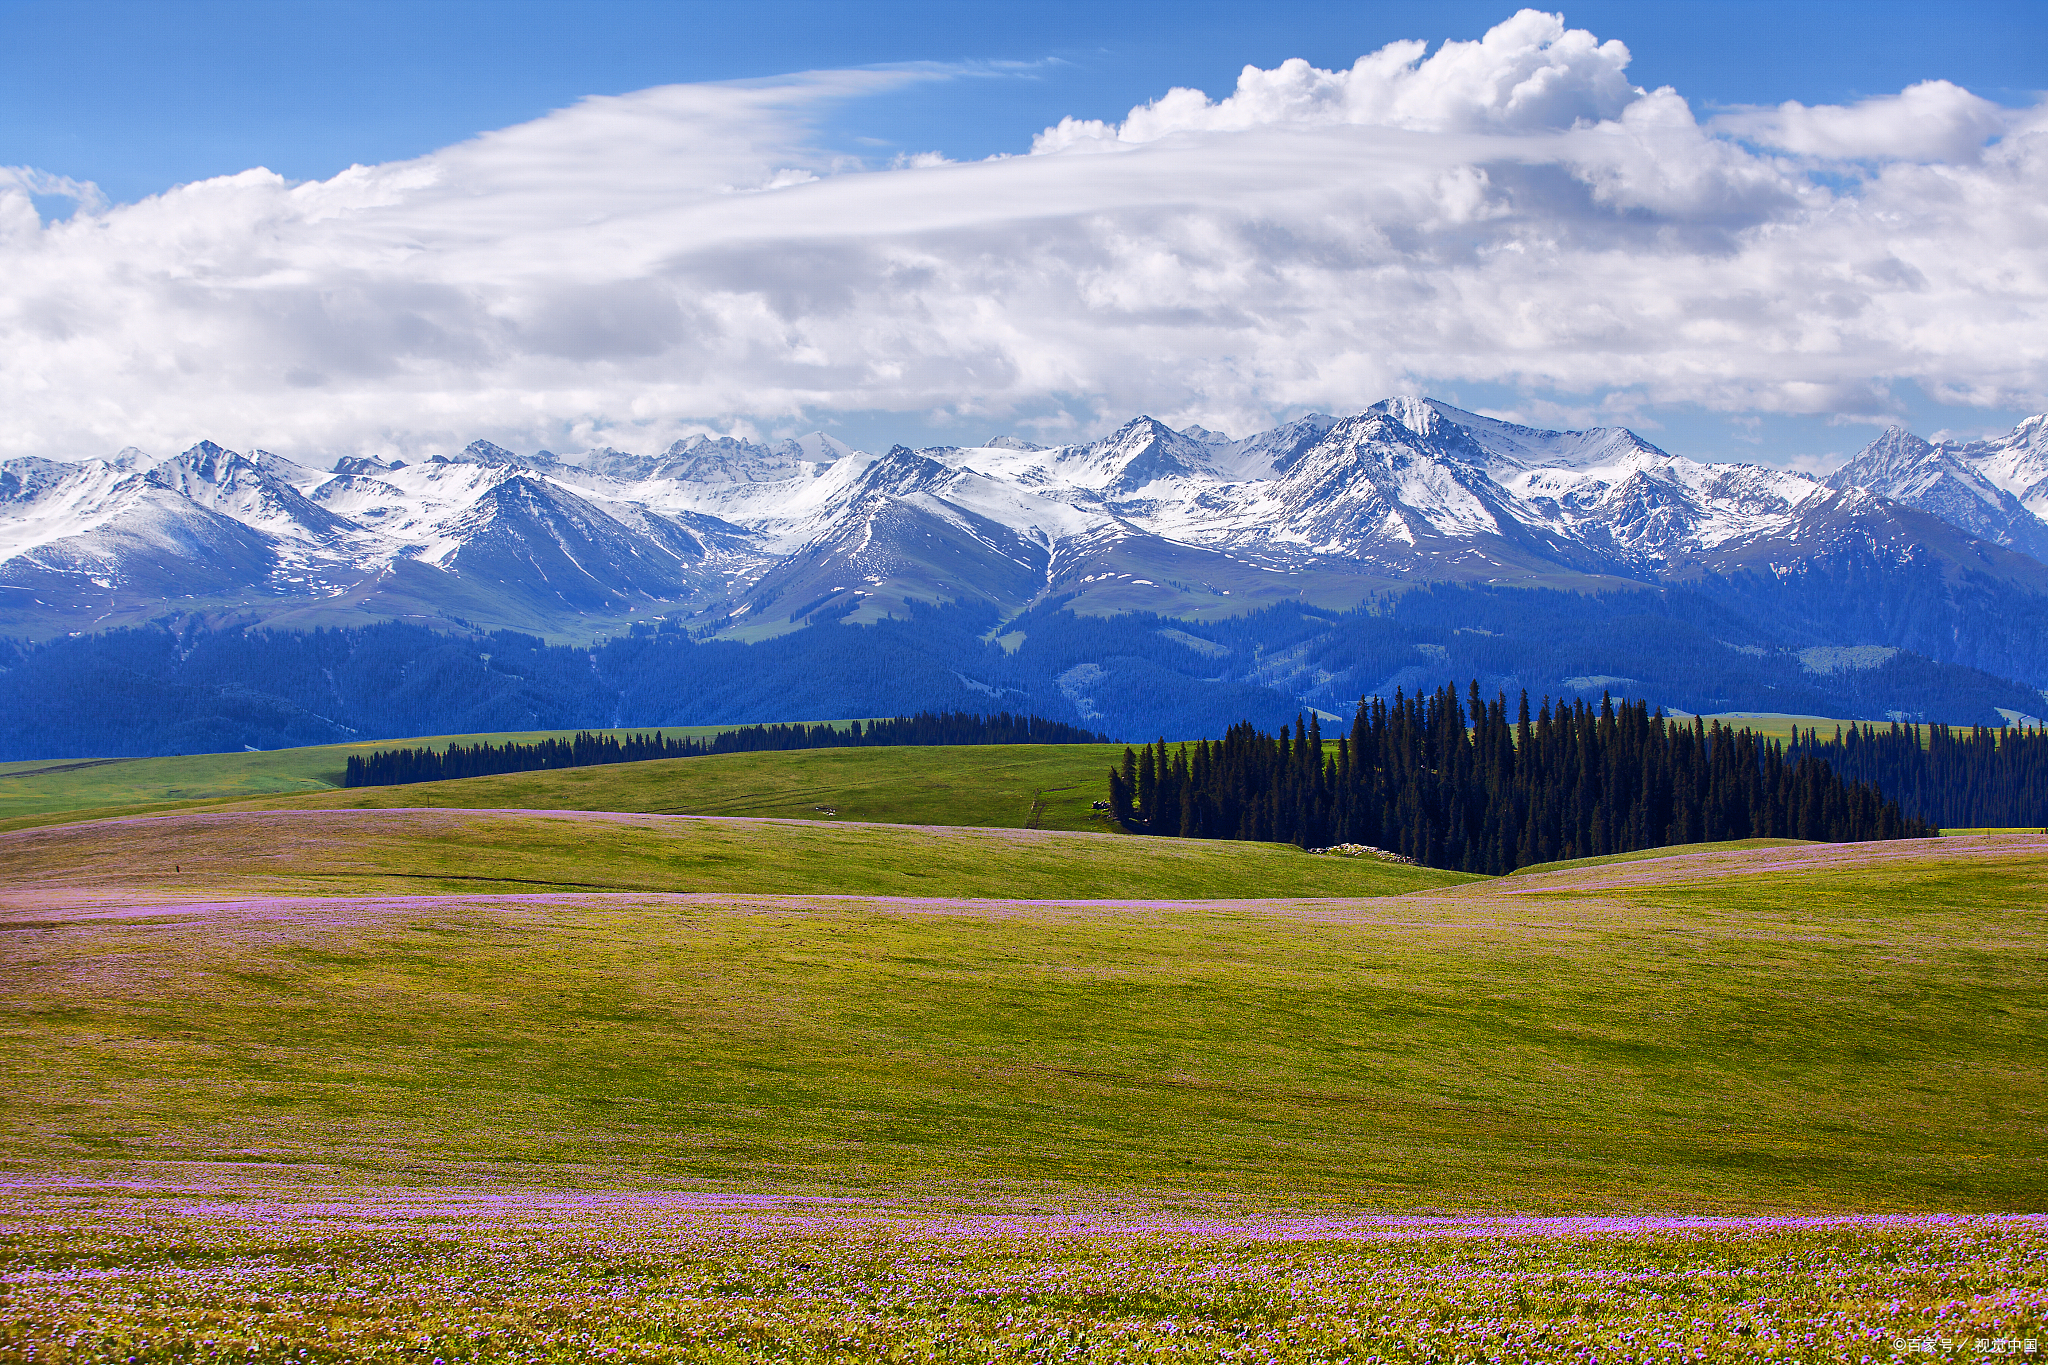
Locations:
(1447, 781)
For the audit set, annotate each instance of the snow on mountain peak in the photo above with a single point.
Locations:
(365, 464)
(820, 448)
(1416, 414)
(1995, 489)
(484, 452)
(1409, 487)
(1512, 446)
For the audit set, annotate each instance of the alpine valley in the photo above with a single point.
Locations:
(1152, 581)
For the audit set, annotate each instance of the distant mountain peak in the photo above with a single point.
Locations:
(1417, 414)
(1996, 490)
(485, 452)
(365, 465)
(1410, 489)
(208, 453)
(693, 445)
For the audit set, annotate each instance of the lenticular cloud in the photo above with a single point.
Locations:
(1511, 210)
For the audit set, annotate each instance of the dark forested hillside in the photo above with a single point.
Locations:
(186, 687)
(1464, 786)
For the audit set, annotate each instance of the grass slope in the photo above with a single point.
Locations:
(42, 787)
(260, 853)
(1802, 1027)
(993, 786)
(1668, 851)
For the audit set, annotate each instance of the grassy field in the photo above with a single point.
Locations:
(1025, 786)
(1779, 727)
(1809, 1027)
(1678, 851)
(214, 854)
(41, 787)
(992, 786)
(660, 1279)
(1773, 725)
(449, 1085)
(899, 1054)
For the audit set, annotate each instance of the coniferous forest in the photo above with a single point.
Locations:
(1960, 778)
(394, 767)
(1464, 787)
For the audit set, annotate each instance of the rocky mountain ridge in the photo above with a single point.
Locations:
(1995, 489)
(752, 539)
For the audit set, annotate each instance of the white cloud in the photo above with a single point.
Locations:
(1930, 121)
(29, 180)
(1528, 74)
(1509, 211)
(21, 186)
(1819, 465)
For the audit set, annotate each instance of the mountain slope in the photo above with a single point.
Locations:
(1994, 490)
(1926, 546)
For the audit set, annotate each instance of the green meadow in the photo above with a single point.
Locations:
(654, 1279)
(1797, 1028)
(1673, 851)
(901, 1054)
(218, 853)
(994, 786)
(30, 789)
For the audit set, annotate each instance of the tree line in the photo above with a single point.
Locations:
(1963, 779)
(1459, 785)
(394, 767)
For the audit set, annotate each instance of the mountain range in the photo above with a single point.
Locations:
(1937, 549)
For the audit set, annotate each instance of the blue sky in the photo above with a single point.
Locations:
(139, 98)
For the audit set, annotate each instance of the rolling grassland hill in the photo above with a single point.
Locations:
(235, 854)
(1805, 1028)
(33, 791)
(1028, 786)
(989, 786)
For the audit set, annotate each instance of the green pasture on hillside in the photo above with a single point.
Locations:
(219, 853)
(995, 786)
(1772, 725)
(1846, 1029)
(992, 786)
(39, 787)
(1638, 855)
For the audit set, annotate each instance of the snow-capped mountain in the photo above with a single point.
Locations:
(1997, 490)
(756, 538)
